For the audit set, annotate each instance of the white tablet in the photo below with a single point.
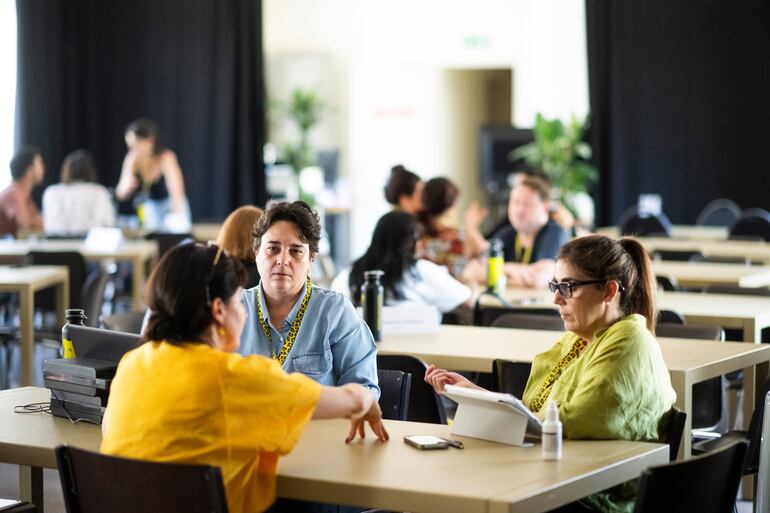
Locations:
(495, 400)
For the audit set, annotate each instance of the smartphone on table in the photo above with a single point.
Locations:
(429, 442)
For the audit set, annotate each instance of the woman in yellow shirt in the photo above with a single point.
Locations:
(184, 396)
(606, 372)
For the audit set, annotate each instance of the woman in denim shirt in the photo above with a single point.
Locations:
(308, 329)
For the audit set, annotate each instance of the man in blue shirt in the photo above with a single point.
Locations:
(309, 330)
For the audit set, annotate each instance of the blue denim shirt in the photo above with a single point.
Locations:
(334, 345)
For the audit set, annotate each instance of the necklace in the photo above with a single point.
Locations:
(289, 343)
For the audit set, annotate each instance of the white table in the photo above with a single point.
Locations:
(680, 231)
(25, 281)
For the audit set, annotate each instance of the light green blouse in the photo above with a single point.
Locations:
(617, 389)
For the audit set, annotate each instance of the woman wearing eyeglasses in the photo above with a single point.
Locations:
(307, 329)
(606, 372)
(185, 396)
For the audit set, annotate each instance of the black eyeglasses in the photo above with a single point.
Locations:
(566, 288)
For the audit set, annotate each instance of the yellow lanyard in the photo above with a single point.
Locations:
(289, 343)
(523, 255)
(545, 389)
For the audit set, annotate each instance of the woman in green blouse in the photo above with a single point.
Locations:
(606, 372)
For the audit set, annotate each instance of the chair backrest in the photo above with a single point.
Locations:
(676, 256)
(96, 483)
(763, 474)
(671, 429)
(721, 259)
(93, 296)
(527, 321)
(719, 212)
(754, 222)
(487, 315)
(424, 404)
(631, 223)
(394, 393)
(76, 264)
(667, 283)
(734, 289)
(127, 322)
(754, 433)
(706, 483)
(167, 241)
(510, 377)
(708, 397)
(670, 317)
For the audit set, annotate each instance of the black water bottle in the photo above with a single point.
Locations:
(73, 316)
(371, 300)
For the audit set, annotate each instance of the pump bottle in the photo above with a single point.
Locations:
(552, 432)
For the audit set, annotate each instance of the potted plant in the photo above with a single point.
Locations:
(559, 150)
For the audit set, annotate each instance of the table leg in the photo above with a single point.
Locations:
(139, 274)
(31, 486)
(751, 331)
(683, 391)
(750, 391)
(62, 300)
(26, 318)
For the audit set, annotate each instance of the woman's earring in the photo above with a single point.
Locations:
(222, 332)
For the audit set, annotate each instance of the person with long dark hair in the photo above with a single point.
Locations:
(152, 171)
(407, 279)
(606, 373)
(186, 396)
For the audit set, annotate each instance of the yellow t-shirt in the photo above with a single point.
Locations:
(196, 404)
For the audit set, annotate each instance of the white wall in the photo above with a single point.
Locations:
(383, 67)
(7, 86)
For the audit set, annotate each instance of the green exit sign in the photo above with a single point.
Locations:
(476, 42)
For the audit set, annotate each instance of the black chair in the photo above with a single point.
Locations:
(706, 484)
(708, 397)
(721, 259)
(676, 256)
(671, 429)
(424, 404)
(96, 483)
(754, 223)
(394, 393)
(739, 291)
(127, 322)
(486, 315)
(167, 241)
(632, 223)
(93, 296)
(753, 436)
(670, 317)
(510, 377)
(526, 321)
(76, 265)
(667, 283)
(720, 212)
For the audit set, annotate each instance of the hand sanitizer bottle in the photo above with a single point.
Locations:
(551, 432)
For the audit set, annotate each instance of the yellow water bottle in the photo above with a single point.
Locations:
(496, 279)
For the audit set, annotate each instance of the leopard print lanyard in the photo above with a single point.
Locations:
(545, 389)
(289, 343)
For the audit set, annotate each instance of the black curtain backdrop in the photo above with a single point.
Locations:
(87, 68)
(680, 101)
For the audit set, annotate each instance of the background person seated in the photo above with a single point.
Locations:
(530, 240)
(184, 396)
(407, 279)
(404, 190)
(17, 208)
(78, 203)
(236, 236)
(308, 329)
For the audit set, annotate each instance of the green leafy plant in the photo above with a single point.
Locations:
(560, 152)
(304, 108)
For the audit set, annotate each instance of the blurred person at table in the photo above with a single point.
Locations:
(404, 190)
(407, 279)
(17, 208)
(441, 241)
(152, 175)
(236, 236)
(530, 238)
(606, 373)
(78, 203)
(186, 396)
(306, 328)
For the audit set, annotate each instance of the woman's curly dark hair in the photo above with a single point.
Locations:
(297, 213)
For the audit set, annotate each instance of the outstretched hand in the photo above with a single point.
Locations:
(374, 417)
(438, 378)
